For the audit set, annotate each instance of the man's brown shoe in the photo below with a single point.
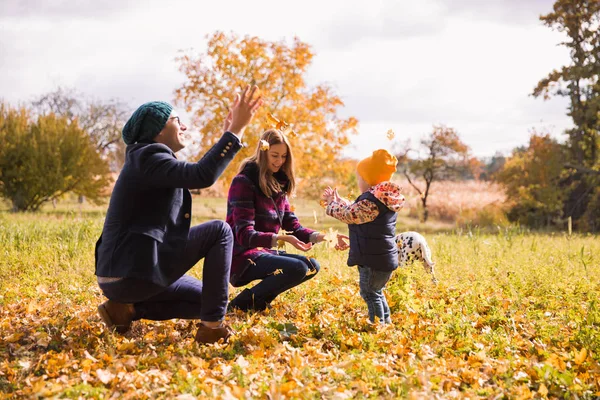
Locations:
(117, 316)
(207, 335)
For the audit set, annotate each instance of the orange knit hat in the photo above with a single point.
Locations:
(378, 167)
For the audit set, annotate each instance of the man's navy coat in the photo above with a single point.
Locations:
(148, 218)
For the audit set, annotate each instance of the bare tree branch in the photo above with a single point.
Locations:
(411, 182)
(582, 169)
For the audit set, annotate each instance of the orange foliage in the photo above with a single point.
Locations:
(532, 181)
(279, 69)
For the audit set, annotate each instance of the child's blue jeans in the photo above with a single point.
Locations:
(371, 283)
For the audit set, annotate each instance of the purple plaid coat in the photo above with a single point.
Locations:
(255, 218)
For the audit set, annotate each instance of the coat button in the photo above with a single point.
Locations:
(187, 215)
(222, 154)
(229, 144)
(227, 147)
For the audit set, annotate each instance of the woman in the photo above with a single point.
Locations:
(257, 208)
(147, 244)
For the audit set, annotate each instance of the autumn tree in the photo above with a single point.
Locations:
(531, 179)
(102, 120)
(279, 69)
(441, 155)
(579, 21)
(42, 159)
(492, 166)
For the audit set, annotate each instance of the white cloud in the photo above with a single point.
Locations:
(516, 12)
(400, 65)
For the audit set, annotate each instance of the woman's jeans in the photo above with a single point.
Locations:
(371, 283)
(278, 273)
(187, 297)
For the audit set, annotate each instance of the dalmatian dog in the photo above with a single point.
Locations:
(412, 246)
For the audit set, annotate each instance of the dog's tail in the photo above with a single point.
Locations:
(430, 264)
(427, 255)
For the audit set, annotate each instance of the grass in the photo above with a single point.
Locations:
(516, 315)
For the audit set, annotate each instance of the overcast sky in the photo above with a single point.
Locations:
(402, 64)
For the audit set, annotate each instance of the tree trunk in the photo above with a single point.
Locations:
(425, 213)
(18, 203)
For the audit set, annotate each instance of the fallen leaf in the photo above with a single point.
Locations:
(580, 356)
(104, 376)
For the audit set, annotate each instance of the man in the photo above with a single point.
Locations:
(147, 245)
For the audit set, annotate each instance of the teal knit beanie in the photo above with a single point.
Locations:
(147, 121)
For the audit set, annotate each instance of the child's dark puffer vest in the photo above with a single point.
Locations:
(372, 244)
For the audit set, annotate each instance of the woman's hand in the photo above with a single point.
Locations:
(297, 243)
(243, 110)
(341, 244)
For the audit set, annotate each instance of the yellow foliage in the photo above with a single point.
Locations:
(278, 68)
(531, 181)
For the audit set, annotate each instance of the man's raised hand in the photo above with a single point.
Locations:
(243, 109)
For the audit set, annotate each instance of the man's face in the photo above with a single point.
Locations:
(172, 134)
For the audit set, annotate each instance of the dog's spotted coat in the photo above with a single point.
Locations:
(412, 246)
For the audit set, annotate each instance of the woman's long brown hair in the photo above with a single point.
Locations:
(267, 182)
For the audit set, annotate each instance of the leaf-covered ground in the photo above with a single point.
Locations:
(515, 315)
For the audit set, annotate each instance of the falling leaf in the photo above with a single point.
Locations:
(264, 145)
(282, 126)
(315, 215)
(311, 270)
(289, 131)
(271, 118)
(292, 208)
(331, 236)
(390, 134)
